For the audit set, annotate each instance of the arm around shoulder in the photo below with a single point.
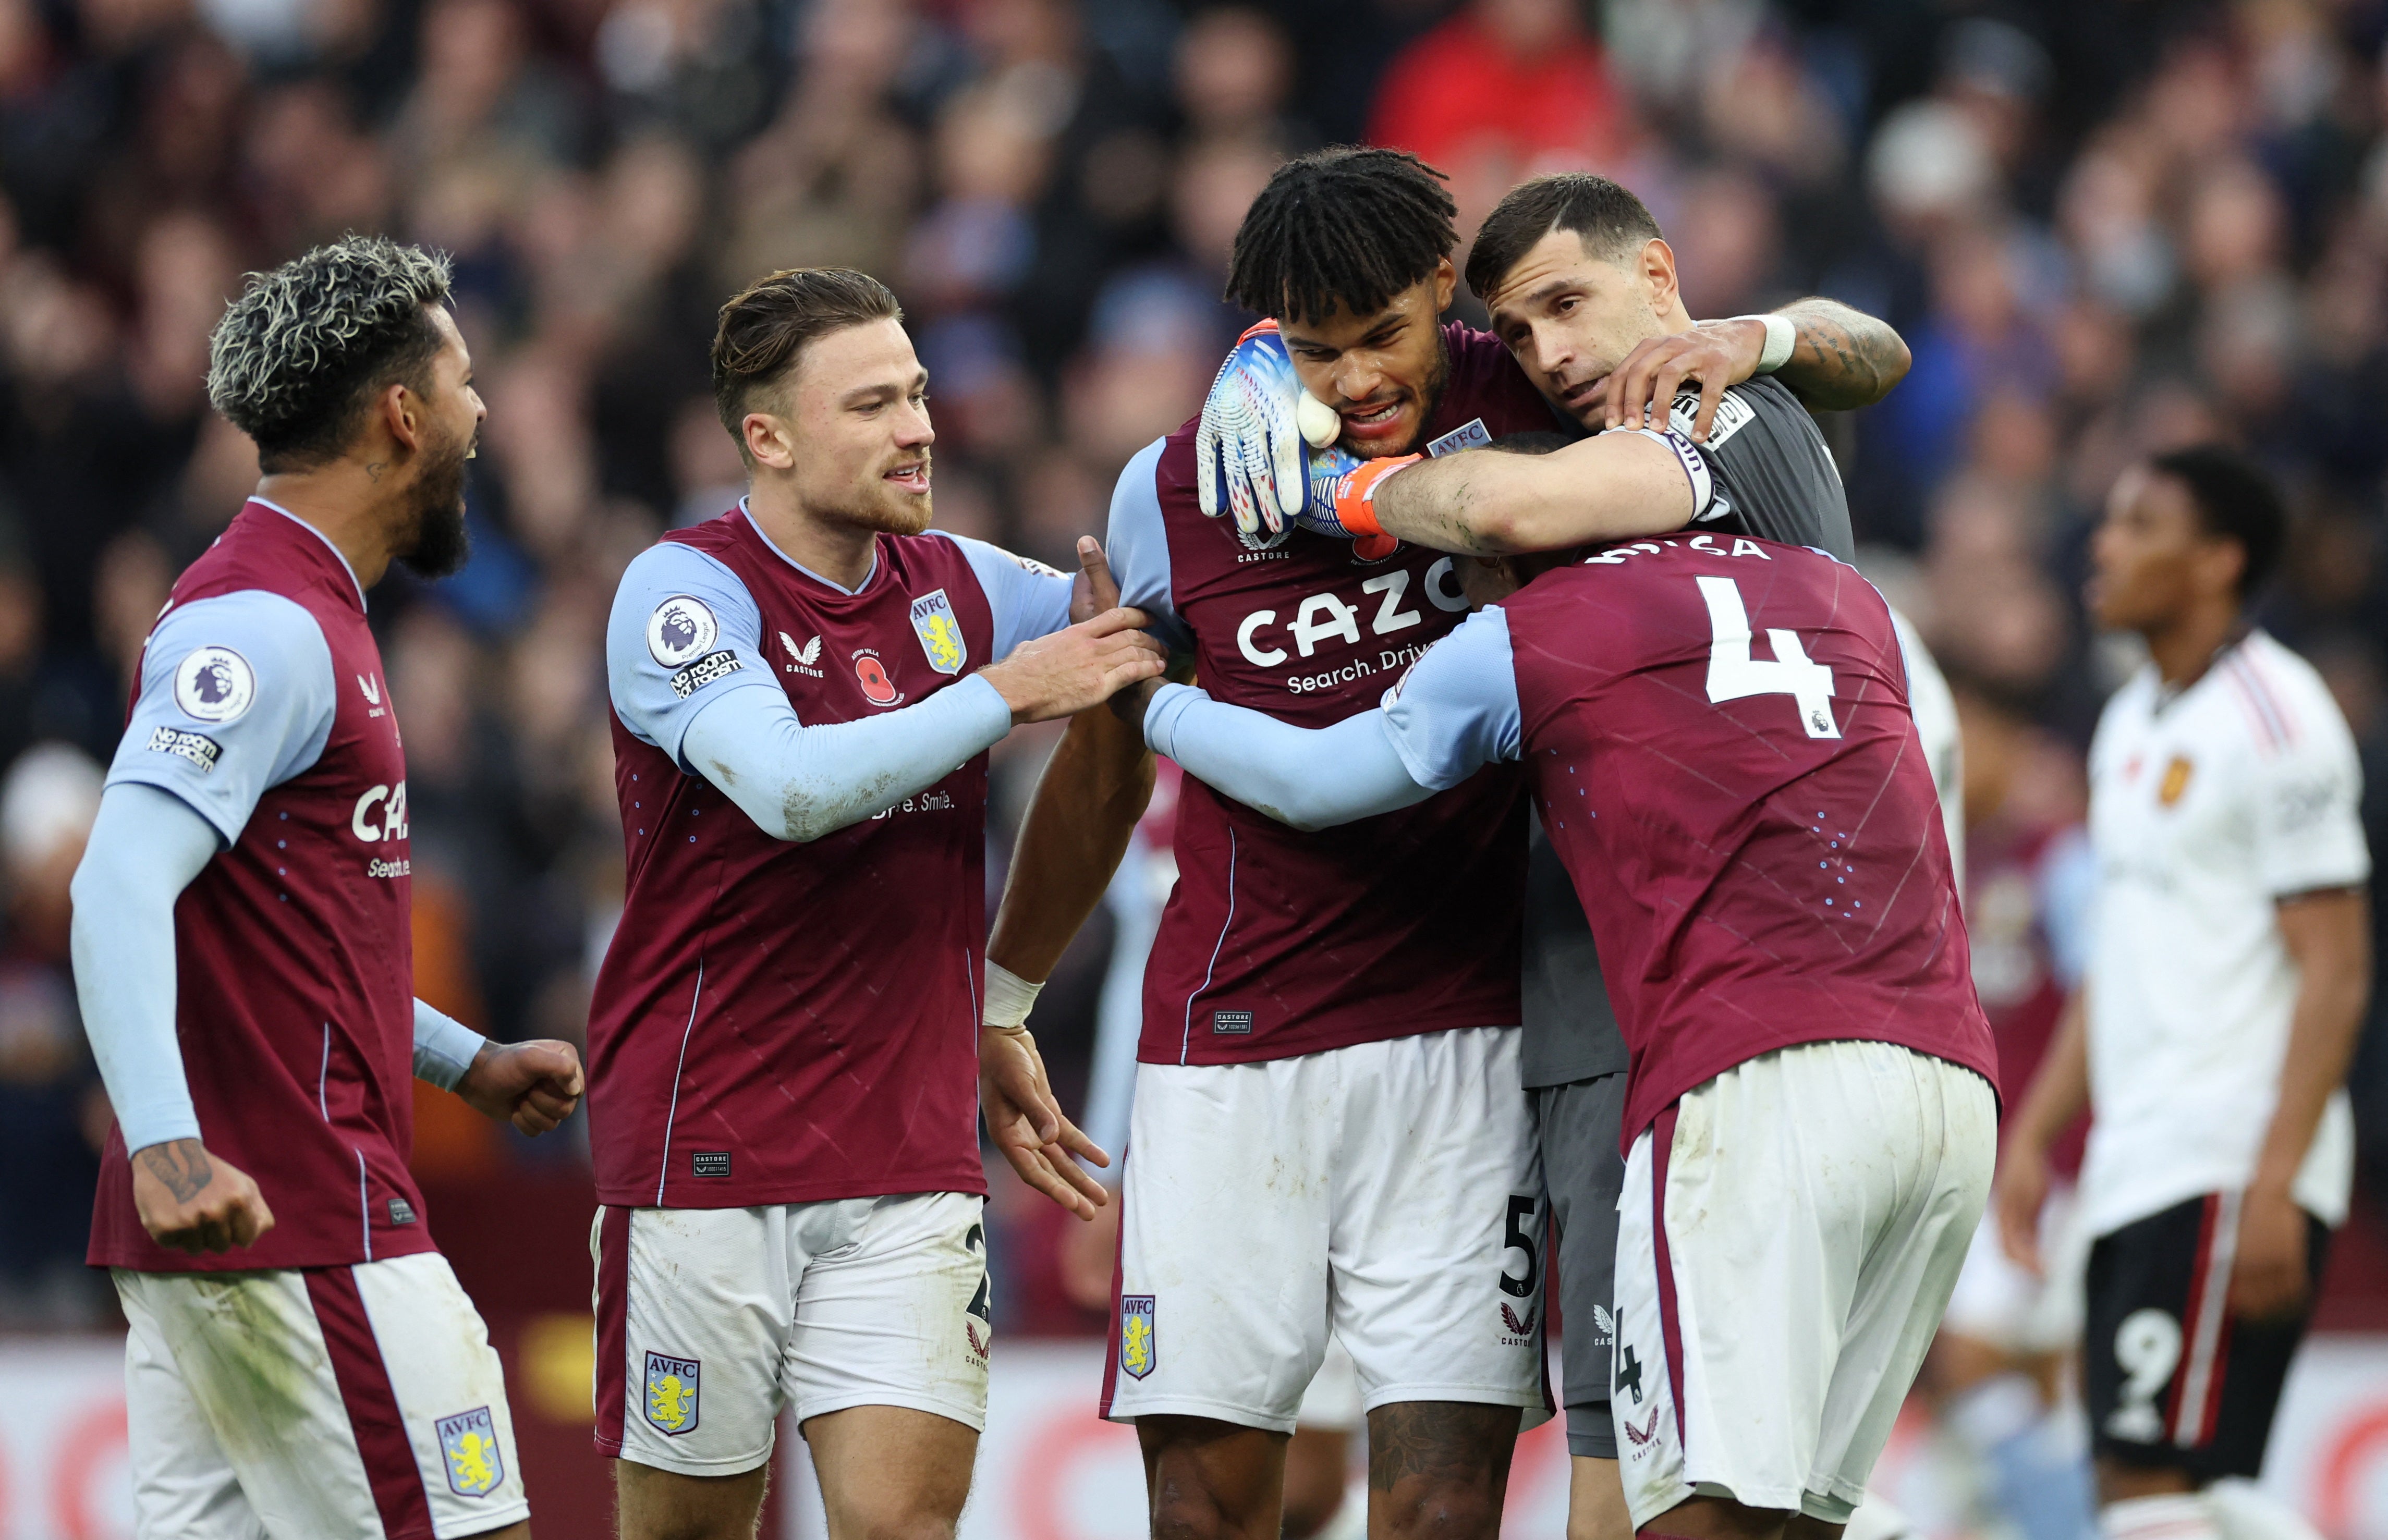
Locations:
(1841, 358)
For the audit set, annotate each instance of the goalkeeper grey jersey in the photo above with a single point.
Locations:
(1774, 480)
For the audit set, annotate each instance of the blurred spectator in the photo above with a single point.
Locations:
(1503, 90)
(2103, 230)
(48, 1156)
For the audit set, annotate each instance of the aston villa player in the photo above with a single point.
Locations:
(243, 963)
(1755, 836)
(1341, 1005)
(784, 1041)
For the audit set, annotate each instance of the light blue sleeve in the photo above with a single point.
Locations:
(2068, 904)
(237, 697)
(1456, 711)
(444, 1047)
(1029, 599)
(799, 782)
(684, 633)
(1139, 547)
(1308, 776)
(146, 845)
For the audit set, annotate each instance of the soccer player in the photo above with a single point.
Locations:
(2228, 969)
(784, 1041)
(1583, 291)
(1759, 846)
(1314, 998)
(301, 1362)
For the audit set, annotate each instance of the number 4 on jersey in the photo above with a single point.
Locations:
(1735, 675)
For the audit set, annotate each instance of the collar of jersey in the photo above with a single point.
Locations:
(2167, 695)
(337, 553)
(748, 514)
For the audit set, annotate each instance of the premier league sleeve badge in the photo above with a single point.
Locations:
(940, 632)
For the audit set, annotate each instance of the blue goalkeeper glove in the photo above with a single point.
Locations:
(1248, 450)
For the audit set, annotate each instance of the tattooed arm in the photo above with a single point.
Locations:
(1840, 359)
(1843, 357)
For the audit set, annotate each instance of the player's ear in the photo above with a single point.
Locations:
(1447, 284)
(400, 411)
(768, 441)
(1658, 278)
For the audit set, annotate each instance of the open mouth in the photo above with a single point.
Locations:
(1576, 397)
(1372, 422)
(911, 477)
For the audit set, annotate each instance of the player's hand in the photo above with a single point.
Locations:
(2269, 1278)
(1064, 672)
(192, 1202)
(1716, 353)
(1248, 448)
(2020, 1188)
(1027, 1126)
(1094, 590)
(533, 1085)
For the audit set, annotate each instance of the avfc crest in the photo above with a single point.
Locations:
(671, 1390)
(469, 1442)
(940, 632)
(1138, 1356)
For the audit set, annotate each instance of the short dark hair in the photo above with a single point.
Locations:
(1608, 219)
(2235, 499)
(766, 326)
(305, 347)
(1345, 227)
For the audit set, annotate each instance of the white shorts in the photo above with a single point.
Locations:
(1388, 1194)
(1999, 1303)
(315, 1404)
(711, 1320)
(1786, 1241)
(1330, 1403)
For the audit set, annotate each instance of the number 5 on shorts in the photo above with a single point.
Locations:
(1520, 1238)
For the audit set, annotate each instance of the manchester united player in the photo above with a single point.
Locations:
(1759, 846)
(784, 1040)
(1314, 998)
(2227, 973)
(301, 1363)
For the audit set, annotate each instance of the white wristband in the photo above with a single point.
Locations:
(1781, 337)
(1009, 997)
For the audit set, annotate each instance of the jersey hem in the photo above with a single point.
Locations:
(1303, 1045)
(2098, 1225)
(769, 1194)
(145, 1260)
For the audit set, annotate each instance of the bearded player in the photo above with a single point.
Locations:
(1759, 846)
(1340, 1006)
(301, 1362)
(783, 1042)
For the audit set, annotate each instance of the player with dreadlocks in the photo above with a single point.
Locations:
(1327, 1135)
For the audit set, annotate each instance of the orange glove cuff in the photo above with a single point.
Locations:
(1355, 495)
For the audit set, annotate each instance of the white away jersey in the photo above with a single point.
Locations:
(2204, 811)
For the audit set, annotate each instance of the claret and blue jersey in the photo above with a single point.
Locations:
(790, 1022)
(1717, 734)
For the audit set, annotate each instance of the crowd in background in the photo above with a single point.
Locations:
(2103, 228)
